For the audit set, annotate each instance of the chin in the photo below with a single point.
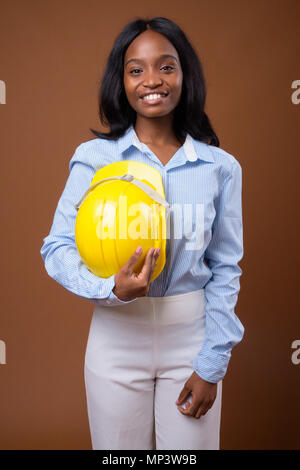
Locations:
(151, 113)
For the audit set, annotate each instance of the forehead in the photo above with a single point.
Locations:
(149, 45)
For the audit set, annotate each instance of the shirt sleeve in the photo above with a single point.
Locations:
(223, 328)
(59, 252)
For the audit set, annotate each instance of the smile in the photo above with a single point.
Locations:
(153, 98)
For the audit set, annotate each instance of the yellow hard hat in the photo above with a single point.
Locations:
(124, 207)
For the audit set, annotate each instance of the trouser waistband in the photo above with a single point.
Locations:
(169, 309)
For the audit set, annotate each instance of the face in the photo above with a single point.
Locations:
(152, 65)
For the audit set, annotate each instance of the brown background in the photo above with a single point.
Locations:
(52, 54)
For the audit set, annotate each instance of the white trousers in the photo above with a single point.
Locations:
(138, 358)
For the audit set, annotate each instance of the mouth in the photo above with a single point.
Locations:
(154, 98)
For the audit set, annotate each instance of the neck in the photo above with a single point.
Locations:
(158, 131)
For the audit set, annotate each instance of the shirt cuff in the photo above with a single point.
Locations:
(112, 299)
(211, 368)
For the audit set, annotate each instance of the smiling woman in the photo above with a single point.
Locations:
(152, 56)
(155, 346)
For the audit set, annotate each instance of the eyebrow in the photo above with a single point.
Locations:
(163, 56)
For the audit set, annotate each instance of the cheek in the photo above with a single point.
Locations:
(127, 86)
(179, 84)
(177, 90)
(130, 91)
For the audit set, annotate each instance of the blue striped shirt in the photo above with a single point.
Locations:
(203, 177)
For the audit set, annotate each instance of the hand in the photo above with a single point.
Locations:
(203, 396)
(128, 284)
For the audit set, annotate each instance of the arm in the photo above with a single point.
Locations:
(59, 251)
(223, 328)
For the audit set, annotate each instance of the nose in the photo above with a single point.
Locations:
(152, 79)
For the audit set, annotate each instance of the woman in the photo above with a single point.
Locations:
(157, 352)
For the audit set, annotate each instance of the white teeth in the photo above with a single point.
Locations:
(155, 96)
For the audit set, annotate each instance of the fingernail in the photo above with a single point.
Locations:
(176, 402)
(138, 250)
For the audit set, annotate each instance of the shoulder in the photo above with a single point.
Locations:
(226, 163)
(224, 158)
(95, 153)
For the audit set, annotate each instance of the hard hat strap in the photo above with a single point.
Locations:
(140, 184)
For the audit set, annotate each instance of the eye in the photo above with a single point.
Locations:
(139, 70)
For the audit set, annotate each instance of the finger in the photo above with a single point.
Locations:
(201, 411)
(205, 408)
(134, 258)
(190, 409)
(146, 269)
(185, 406)
(183, 396)
(154, 264)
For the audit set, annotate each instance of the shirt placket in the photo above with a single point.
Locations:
(164, 174)
(167, 251)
